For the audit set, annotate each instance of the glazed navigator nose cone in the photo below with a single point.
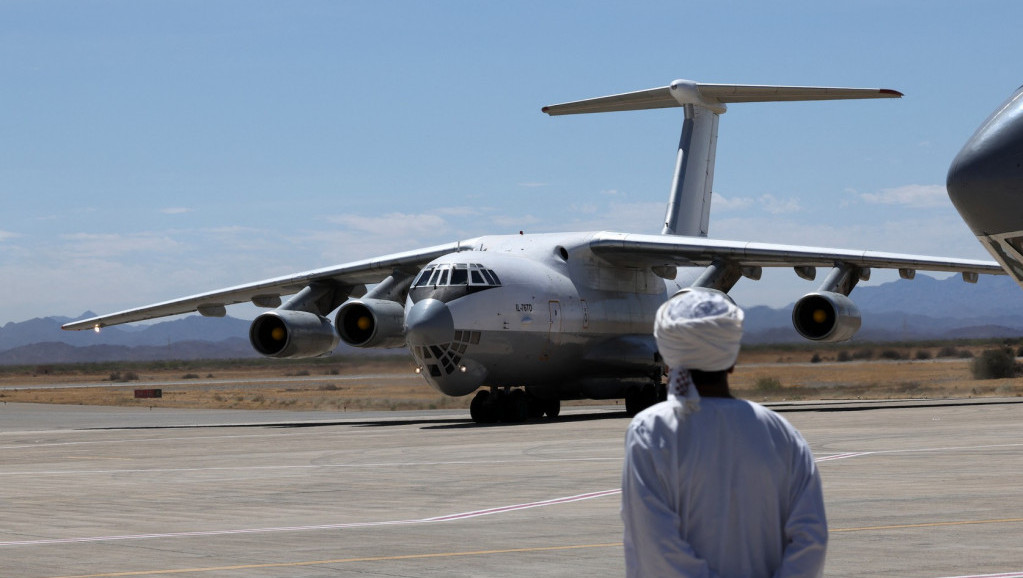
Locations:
(429, 322)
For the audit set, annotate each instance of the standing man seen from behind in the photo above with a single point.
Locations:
(715, 486)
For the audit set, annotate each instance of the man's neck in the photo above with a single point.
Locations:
(714, 390)
(712, 383)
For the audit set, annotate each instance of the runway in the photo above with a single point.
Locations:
(914, 490)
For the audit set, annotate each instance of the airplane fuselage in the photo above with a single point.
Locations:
(538, 311)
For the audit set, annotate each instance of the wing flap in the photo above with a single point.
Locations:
(654, 250)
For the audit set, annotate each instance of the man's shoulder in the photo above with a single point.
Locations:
(659, 412)
(663, 413)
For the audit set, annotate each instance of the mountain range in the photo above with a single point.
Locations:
(924, 308)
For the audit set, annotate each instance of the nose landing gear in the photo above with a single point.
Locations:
(510, 406)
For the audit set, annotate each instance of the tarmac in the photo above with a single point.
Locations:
(911, 489)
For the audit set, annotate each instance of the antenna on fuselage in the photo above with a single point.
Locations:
(688, 211)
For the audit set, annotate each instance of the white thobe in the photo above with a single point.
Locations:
(731, 491)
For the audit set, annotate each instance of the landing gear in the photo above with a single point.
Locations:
(539, 407)
(639, 398)
(511, 406)
(483, 409)
(552, 407)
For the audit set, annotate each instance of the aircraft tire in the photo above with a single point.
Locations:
(514, 408)
(552, 408)
(537, 406)
(482, 409)
(639, 398)
(632, 401)
(649, 395)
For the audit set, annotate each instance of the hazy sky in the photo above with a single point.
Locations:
(151, 150)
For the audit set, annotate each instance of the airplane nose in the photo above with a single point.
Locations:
(429, 322)
(985, 181)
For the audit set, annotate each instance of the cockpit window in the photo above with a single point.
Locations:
(424, 277)
(457, 274)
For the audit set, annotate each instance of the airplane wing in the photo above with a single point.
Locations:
(654, 250)
(349, 277)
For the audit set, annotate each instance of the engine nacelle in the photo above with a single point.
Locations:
(826, 316)
(371, 323)
(288, 334)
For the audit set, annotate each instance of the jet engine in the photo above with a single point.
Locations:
(288, 334)
(371, 323)
(826, 316)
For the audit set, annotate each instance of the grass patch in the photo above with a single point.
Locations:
(768, 384)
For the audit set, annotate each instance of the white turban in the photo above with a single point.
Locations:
(696, 329)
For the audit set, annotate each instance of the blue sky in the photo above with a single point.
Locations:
(150, 150)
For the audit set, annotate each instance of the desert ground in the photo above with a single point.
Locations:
(764, 373)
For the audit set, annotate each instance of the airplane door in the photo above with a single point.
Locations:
(554, 329)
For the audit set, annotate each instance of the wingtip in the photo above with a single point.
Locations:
(891, 93)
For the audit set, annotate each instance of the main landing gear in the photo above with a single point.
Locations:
(639, 398)
(510, 406)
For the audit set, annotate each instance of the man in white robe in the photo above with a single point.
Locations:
(716, 486)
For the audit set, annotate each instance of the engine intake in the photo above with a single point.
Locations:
(826, 316)
(287, 334)
(371, 323)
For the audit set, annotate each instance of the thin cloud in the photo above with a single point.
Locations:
(915, 196)
(176, 210)
(108, 245)
(520, 222)
(459, 211)
(403, 223)
(534, 185)
(723, 203)
(5, 235)
(583, 208)
(777, 206)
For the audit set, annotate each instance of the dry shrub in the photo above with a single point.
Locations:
(994, 364)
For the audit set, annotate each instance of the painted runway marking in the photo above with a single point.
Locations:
(32, 446)
(302, 467)
(1004, 575)
(404, 557)
(842, 456)
(348, 560)
(435, 519)
(929, 525)
(392, 464)
(918, 450)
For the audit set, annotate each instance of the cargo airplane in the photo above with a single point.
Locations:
(526, 320)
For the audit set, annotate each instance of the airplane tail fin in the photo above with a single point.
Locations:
(688, 210)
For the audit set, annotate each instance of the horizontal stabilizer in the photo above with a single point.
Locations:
(713, 96)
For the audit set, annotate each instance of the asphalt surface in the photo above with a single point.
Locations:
(912, 489)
